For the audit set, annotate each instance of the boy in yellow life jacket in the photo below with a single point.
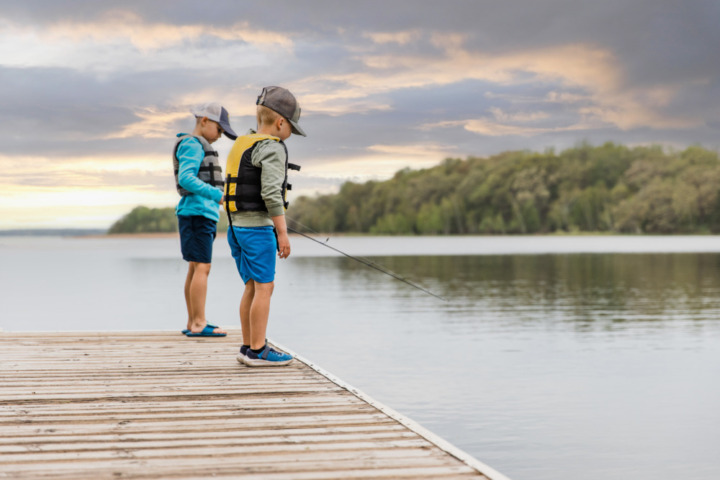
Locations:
(255, 200)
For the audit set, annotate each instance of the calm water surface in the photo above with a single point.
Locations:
(554, 357)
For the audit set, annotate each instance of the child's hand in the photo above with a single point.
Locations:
(283, 242)
(283, 245)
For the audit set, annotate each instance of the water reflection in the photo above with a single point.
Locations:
(590, 290)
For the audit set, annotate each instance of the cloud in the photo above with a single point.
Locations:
(380, 162)
(593, 70)
(123, 26)
(504, 116)
(69, 173)
(414, 151)
(492, 128)
(341, 102)
(81, 191)
(401, 38)
(153, 123)
(121, 40)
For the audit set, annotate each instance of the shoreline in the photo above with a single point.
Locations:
(558, 235)
(367, 235)
(130, 235)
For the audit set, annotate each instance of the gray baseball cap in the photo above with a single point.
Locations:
(283, 102)
(216, 113)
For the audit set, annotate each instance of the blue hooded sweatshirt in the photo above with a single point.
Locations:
(205, 199)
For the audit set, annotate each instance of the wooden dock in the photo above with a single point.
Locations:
(153, 405)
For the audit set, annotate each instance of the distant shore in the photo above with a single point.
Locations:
(132, 235)
(95, 234)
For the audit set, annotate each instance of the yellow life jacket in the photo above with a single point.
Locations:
(243, 182)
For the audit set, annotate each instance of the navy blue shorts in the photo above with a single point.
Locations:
(197, 234)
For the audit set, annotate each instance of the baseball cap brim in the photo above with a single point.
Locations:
(296, 128)
(227, 130)
(224, 122)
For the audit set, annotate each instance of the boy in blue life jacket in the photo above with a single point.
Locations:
(255, 200)
(199, 181)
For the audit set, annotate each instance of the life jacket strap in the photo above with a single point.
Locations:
(210, 168)
(205, 168)
(236, 180)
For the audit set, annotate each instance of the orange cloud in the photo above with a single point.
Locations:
(592, 69)
(401, 38)
(153, 123)
(120, 25)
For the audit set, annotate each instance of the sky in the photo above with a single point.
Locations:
(93, 92)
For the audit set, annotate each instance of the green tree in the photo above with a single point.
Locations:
(146, 220)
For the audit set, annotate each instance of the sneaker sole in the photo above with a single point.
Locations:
(258, 362)
(241, 358)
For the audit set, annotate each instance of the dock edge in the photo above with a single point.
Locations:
(431, 437)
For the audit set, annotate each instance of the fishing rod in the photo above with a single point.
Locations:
(364, 261)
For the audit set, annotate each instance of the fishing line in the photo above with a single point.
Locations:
(306, 228)
(364, 261)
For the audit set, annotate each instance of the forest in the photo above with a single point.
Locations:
(608, 188)
(146, 220)
(153, 220)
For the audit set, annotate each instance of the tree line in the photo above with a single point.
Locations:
(607, 188)
(153, 220)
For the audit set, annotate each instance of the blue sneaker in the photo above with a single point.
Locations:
(243, 353)
(268, 357)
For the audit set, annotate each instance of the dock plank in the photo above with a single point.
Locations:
(151, 405)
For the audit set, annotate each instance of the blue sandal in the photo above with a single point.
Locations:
(185, 331)
(208, 331)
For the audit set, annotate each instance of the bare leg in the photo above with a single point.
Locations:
(188, 281)
(259, 313)
(245, 304)
(198, 295)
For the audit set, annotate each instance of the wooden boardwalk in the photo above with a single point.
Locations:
(156, 405)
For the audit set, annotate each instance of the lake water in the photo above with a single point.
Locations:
(554, 358)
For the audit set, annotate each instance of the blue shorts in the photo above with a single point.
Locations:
(196, 238)
(254, 252)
